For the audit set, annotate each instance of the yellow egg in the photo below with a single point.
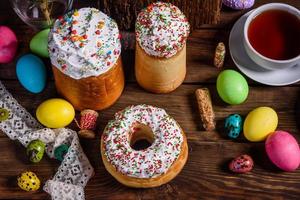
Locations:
(28, 181)
(259, 123)
(55, 113)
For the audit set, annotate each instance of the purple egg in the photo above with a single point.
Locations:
(239, 4)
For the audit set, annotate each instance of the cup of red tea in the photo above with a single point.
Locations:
(272, 36)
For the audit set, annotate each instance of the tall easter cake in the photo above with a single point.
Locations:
(84, 47)
(161, 33)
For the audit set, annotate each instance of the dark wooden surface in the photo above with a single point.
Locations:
(197, 11)
(206, 174)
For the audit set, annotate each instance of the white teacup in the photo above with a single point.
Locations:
(258, 58)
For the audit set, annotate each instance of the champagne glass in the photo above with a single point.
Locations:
(40, 14)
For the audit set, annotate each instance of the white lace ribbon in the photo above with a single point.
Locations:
(75, 169)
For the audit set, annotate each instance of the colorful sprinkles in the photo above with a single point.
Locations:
(161, 30)
(81, 42)
(152, 161)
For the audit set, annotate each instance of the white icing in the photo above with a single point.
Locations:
(152, 161)
(161, 29)
(84, 43)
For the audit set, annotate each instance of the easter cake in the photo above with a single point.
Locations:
(160, 59)
(84, 47)
(152, 166)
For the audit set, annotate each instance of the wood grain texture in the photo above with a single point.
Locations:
(198, 12)
(205, 175)
(182, 105)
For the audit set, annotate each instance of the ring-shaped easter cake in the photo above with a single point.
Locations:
(150, 167)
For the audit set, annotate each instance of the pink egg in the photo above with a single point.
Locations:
(8, 44)
(283, 150)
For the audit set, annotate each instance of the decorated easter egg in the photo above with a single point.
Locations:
(39, 43)
(8, 44)
(283, 150)
(259, 123)
(55, 113)
(61, 151)
(31, 73)
(29, 181)
(239, 4)
(4, 114)
(35, 150)
(241, 164)
(232, 87)
(233, 125)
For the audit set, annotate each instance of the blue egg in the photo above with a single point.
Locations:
(31, 73)
(233, 125)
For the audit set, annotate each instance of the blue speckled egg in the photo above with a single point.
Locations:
(61, 151)
(31, 73)
(233, 125)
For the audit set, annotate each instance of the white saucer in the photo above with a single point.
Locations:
(250, 68)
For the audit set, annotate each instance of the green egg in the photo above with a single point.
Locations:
(39, 43)
(35, 150)
(232, 87)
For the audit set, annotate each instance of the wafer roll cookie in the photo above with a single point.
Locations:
(219, 55)
(205, 108)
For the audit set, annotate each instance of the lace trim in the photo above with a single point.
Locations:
(74, 171)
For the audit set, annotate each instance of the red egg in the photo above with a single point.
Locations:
(8, 44)
(283, 150)
(241, 164)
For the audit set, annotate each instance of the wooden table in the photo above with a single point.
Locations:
(206, 174)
